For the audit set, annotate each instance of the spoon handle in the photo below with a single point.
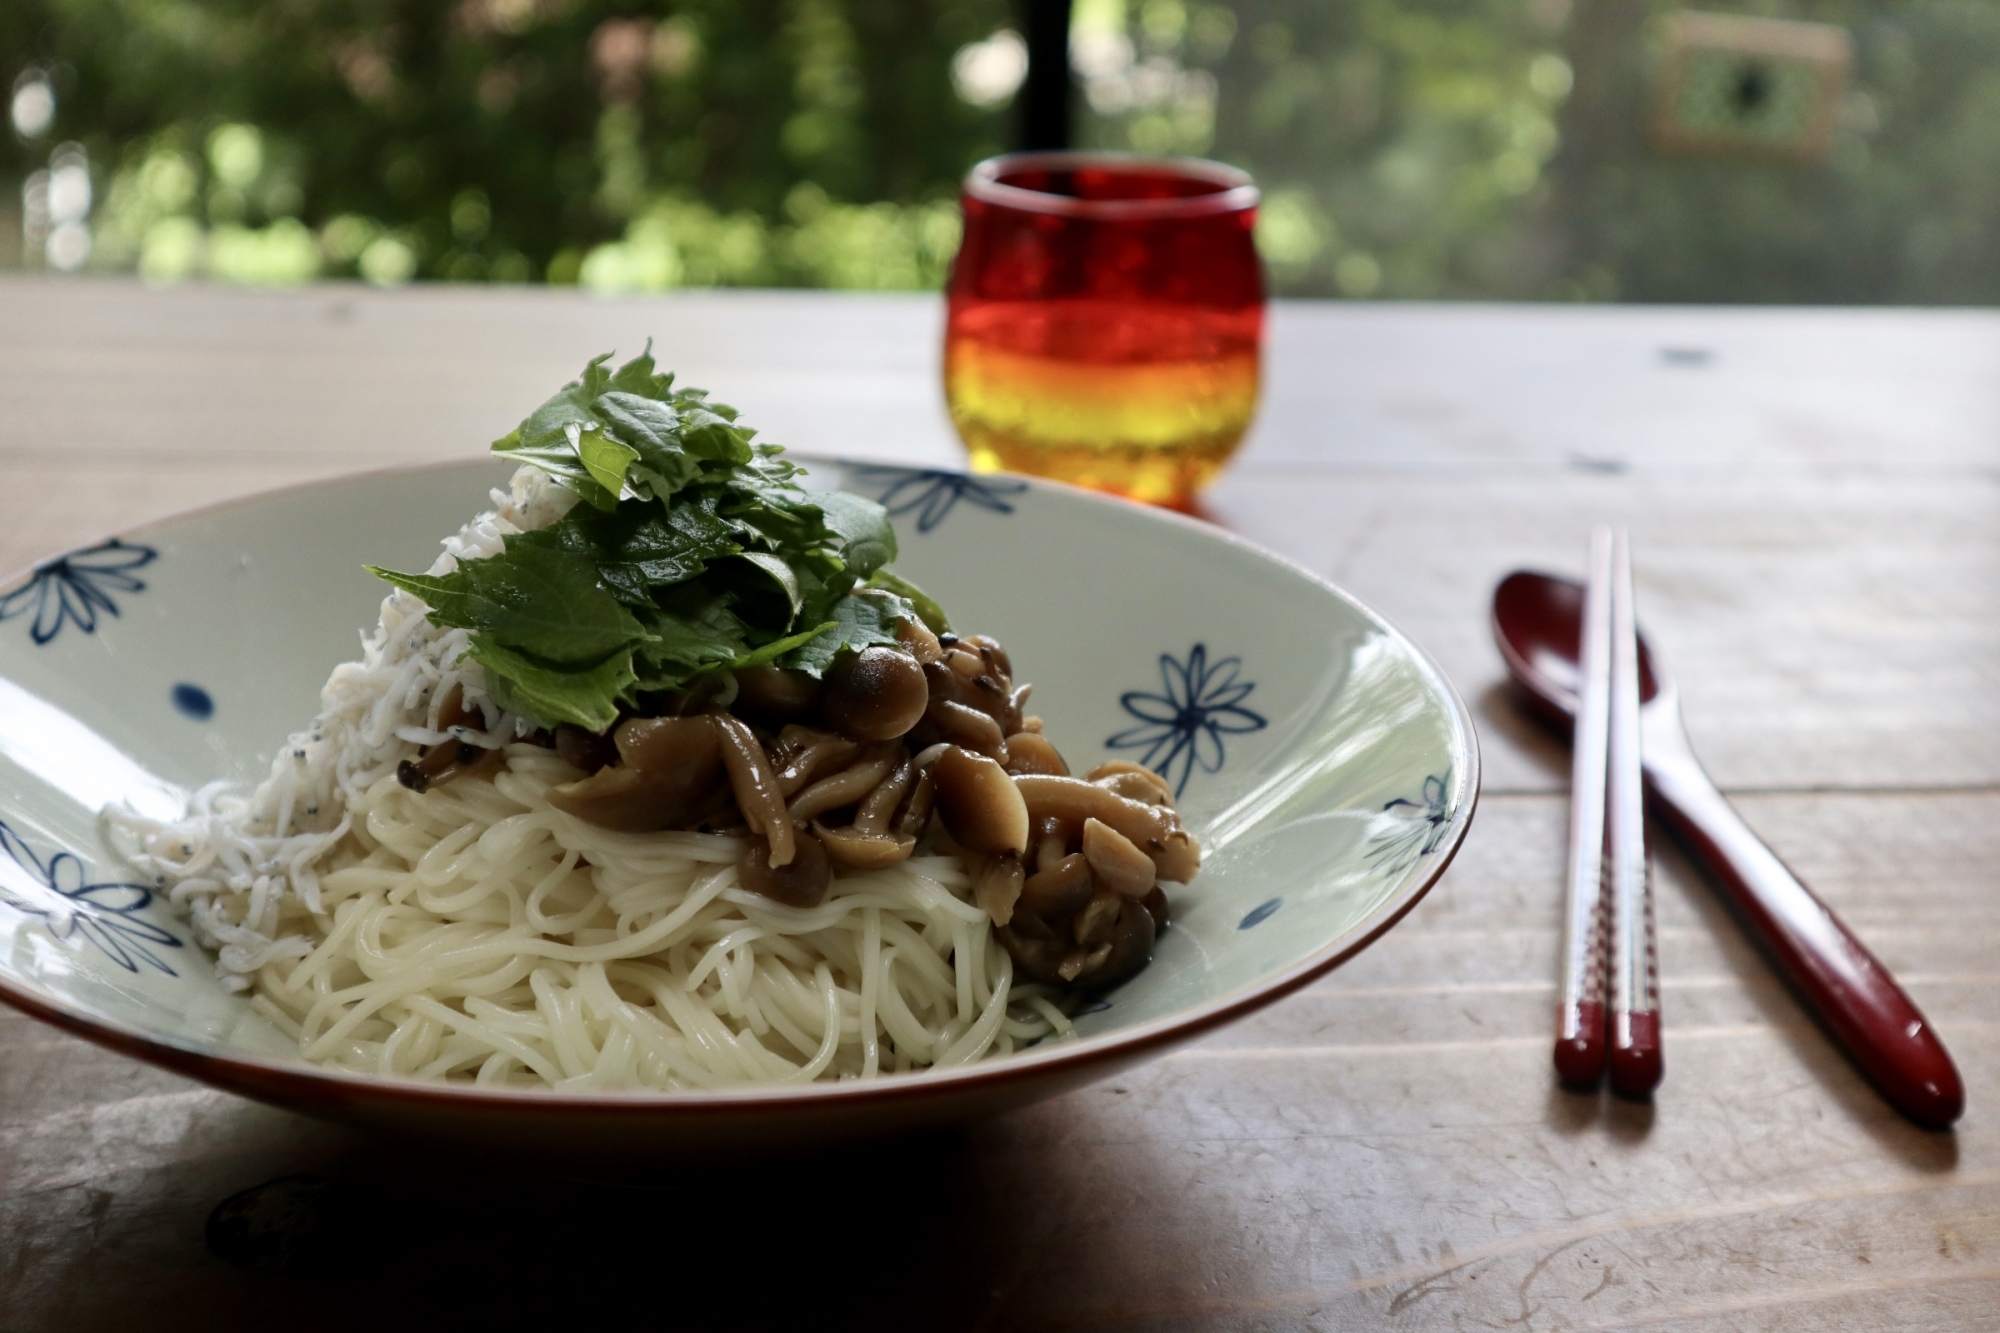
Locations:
(1860, 1004)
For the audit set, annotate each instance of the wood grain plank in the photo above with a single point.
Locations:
(1831, 634)
(1729, 393)
(368, 378)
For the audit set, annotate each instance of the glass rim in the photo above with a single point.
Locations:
(1236, 194)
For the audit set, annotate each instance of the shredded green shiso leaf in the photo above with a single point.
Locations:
(694, 551)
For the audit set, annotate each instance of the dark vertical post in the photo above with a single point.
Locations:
(1046, 95)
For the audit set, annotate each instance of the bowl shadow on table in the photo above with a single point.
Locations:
(979, 1226)
(1571, 1112)
(747, 1246)
(1499, 708)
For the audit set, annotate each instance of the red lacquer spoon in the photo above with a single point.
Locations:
(1537, 622)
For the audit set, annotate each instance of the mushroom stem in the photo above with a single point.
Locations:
(453, 712)
(998, 887)
(879, 807)
(816, 750)
(916, 813)
(871, 765)
(1134, 781)
(967, 726)
(1051, 844)
(756, 788)
(1073, 800)
(801, 882)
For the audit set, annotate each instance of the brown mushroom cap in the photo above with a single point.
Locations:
(1115, 861)
(668, 769)
(1178, 856)
(979, 804)
(876, 694)
(587, 750)
(1035, 949)
(1131, 947)
(919, 642)
(1092, 926)
(453, 759)
(775, 695)
(989, 648)
(800, 882)
(974, 681)
(857, 849)
(1028, 752)
(1061, 890)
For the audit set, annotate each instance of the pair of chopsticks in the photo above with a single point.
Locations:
(1610, 1011)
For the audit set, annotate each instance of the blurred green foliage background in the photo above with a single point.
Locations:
(1408, 148)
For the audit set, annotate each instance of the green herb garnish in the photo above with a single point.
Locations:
(694, 552)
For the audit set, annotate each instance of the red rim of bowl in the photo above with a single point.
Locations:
(1234, 192)
(298, 1084)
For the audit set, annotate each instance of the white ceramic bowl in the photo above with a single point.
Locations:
(1328, 768)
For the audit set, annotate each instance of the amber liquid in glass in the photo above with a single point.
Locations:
(1145, 398)
(1106, 316)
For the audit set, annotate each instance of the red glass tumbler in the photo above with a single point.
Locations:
(1106, 320)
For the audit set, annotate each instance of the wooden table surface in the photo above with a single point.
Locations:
(1813, 499)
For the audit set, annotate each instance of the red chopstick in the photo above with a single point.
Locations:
(1636, 1058)
(1609, 874)
(1580, 1019)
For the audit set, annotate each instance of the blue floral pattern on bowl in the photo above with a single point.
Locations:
(932, 494)
(1259, 914)
(192, 701)
(1410, 829)
(76, 588)
(1183, 725)
(108, 915)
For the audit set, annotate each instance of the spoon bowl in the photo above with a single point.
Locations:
(1538, 624)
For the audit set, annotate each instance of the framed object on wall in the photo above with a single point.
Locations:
(1751, 87)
